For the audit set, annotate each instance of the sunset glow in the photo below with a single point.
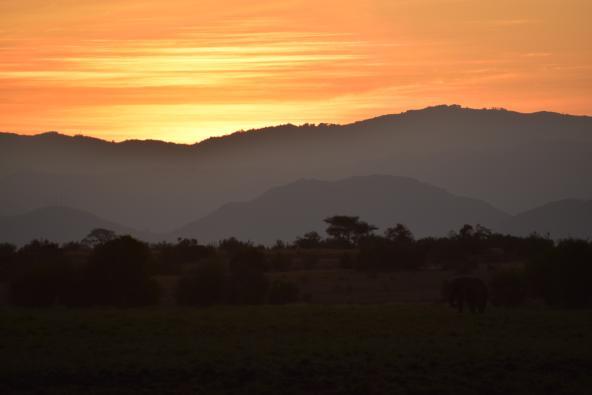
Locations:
(184, 70)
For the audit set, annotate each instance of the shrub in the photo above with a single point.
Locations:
(247, 281)
(43, 275)
(280, 262)
(308, 241)
(7, 256)
(346, 261)
(117, 274)
(203, 287)
(43, 285)
(509, 287)
(464, 265)
(378, 254)
(310, 261)
(233, 246)
(562, 275)
(283, 292)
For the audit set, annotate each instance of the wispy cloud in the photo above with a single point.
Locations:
(184, 70)
(204, 59)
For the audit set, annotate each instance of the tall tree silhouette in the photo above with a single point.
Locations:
(400, 233)
(117, 274)
(308, 240)
(98, 236)
(348, 229)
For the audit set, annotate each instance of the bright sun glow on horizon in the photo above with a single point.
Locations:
(183, 71)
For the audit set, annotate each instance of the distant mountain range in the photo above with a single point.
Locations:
(561, 219)
(291, 210)
(514, 161)
(59, 224)
(288, 211)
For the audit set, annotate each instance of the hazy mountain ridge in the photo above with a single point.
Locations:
(553, 120)
(289, 211)
(569, 218)
(515, 161)
(58, 224)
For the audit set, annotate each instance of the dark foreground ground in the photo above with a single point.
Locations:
(407, 349)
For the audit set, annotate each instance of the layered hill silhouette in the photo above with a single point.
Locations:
(569, 218)
(289, 211)
(514, 161)
(58, 224)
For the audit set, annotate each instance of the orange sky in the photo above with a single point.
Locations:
(184, 70)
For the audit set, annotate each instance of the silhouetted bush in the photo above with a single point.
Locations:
(170, 258)
(309, 261)
(7, 257)
(117, 271)
(348, 230)
(308, 241)
(509, 287)
(190, 251)
(232, 246)
(464, 265)
(399, 234)
(283, 292)
(562, 275)
(279, 245)
(378, 254)
(247, 281)
(117, 274)
(42, 277)
(166, 260)
(374, 255)
(280, 262)
(202, 287)
(41, 286)
(466, 291)
(346, 261)
(98, 236)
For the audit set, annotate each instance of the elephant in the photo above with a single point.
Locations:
(469, 290)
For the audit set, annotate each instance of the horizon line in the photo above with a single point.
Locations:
(38, 133)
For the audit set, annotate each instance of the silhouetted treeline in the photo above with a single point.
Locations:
(240, 279)
(170, 257)
(114, 273)
(397, 248)
(109, 270)
(562, 274)
(120, 271)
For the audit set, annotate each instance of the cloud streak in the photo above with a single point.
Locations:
(181, 70)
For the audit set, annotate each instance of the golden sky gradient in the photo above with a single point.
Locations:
(184, 70)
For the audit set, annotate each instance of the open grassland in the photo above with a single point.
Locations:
(324, 349)
(339, 286)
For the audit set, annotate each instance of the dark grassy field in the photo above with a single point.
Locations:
(413, 349)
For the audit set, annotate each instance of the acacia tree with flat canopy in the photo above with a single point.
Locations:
(348, 229)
